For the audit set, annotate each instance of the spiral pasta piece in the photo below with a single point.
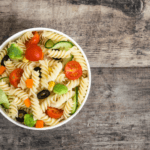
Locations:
(3, 52)
(53, 36)
(55, 71)
(21, 65)
(11, 98)
(26, 36)
(43, 40)
(84, 73)
(79, 57)
(52, 62)
(37, 112)
(9, 66)
(5, 87)
(60, 78)
(58, 54)
(62, 106)
(68, 108)
(63, 98)
(19, 93)
(45, 73)
(21, 44)
(26, 74)
(44, 50)
(6, 73)
(48, 101)
(84, 82)
(19, 102)
(36, 81)
(13, 110)
(49, 121)
(72, 84)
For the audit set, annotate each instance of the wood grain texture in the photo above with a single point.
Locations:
(108, 36)
(116, 116)
(113, 33)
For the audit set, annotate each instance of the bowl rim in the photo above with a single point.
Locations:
(18, 34)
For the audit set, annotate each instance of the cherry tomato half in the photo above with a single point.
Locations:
(34, 40)
(15, 76)
(34, 53)
(73, 70)
(54, 112)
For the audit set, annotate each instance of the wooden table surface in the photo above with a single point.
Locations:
(115, 37)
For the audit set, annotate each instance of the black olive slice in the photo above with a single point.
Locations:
(21, 114)
(5, 58)
(57, 58)
(38, 69)
(43, 94)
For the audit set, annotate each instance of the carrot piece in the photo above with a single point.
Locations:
(27, 102)
(2, 69)
(42, 56)
(29, 83)
(39, 124)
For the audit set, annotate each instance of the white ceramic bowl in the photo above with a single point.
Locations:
(14, 37)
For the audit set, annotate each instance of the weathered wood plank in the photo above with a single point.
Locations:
(108, 36)
(115, 116)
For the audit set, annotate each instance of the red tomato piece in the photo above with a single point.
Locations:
(34, 40)
(54, 112)
(73, 70)
(34, 53)
(15, 76)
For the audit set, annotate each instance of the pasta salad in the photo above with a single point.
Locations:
(43, 79)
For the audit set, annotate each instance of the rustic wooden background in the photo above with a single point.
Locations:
(115, 37)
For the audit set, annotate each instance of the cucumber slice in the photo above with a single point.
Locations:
(75, 100)
(49, 44)
(63, 45)
(3, 99)
(66, 60)
(5, 79)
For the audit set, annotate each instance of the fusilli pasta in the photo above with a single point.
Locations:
(79, 57)
(55, 71)
(72, 84)
(68, 108)
(26, 74)
(13, 110)
(53, 36)
(49, 121)
(9, 66)
(63, 98)
(19, 93)
(60, 78)
(59, 54)
(36, 81)
(83, 89)
(21, 65)
(45, 73)
(48, 101)
(3, 52)
(37, 112)
(26, 36)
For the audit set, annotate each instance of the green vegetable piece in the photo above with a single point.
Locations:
(28, 120)
(4, 100)
(63, 45)
(49, 43)
(66, 60)
(75, 101)
(60, 89)
(5, 79)
(15, 52)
